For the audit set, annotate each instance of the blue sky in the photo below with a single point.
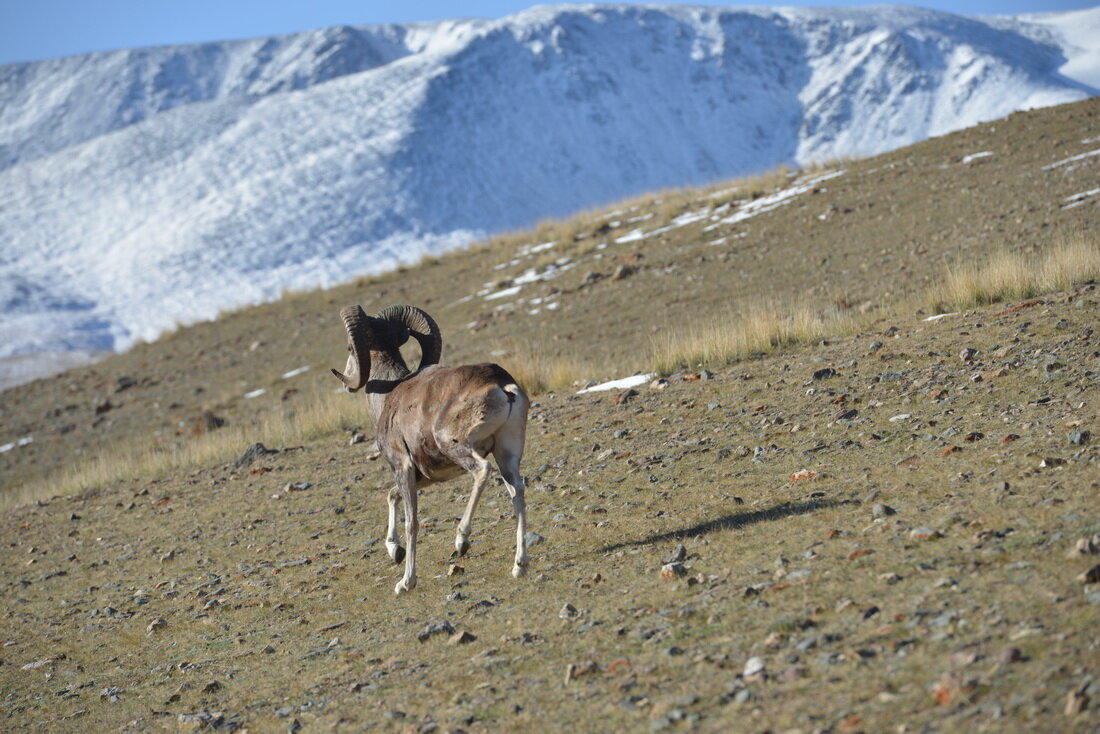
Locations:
(40, 29)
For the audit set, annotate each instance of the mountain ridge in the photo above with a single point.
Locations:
(373, 145)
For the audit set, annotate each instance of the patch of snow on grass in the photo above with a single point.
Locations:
(1079, 199)
(1071, 159)
(622, 384)
(295, 373)
(504, 293)
(15, 444)
(976, 156)
(774, 201)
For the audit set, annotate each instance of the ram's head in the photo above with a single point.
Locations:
(385, 332)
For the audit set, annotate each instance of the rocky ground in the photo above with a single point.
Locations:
(894, 530)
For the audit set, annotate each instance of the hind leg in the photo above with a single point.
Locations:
(478, 466)
(508, 462)
(393, 545)
(406, 484)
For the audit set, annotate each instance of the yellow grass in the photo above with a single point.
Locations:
(744, 332)
(1012, 276)
(325, 412)
(538, 371)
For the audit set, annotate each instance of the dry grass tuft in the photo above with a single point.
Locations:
(540, 372)
(1012, 276)
(322, 413)
(757, 329)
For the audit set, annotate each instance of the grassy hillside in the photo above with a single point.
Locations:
(884, 512)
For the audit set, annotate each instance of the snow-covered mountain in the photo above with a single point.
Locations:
(145, 188)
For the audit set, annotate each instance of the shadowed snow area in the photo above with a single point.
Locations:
(147, 188)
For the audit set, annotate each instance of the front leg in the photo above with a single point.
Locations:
(406, 485)
(393, 546)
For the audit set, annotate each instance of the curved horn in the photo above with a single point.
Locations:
(422, 327)
(355, 324)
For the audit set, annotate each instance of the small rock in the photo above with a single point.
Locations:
(755, 669)
(793, 673)
(968, 354)
(156, 625)
(879, 510)
(673, 570)
(568, 611)
(677, 555)
(1077, 701)
(461, 638)
(824, 373)
(435, 628)
(924, 533)
(531, 538)
(268, 650)
(111, 693)
(455, 570)
(1010, 655)
(1092, 576)
(874, 346)
(1085, 547)
(1079, 438)
(252, 453)
(211, 687)
(1051, 461)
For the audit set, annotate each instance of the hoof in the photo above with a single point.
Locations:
(403, 586)
(519, 571)
(396, 551)
(461, 546)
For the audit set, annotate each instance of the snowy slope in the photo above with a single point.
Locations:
(142, 189)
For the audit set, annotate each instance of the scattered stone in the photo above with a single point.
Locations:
(356, 438)
(673, 570)
(268, 650)
(455, 570)
(968, 354)
(622, 272)
(531, 538)
(1010, 655)
(1092, 576)
(576, 670)
(111, 693)
(435, 628)
(824, 373)
(952, 688)
(924, 533)
(793, 673)
(297, 487)
(156, 625)
(568, 611)
(1079, 438)
(461, 638)
(212, 687)
(206, 721)
(1085, 547)
(879, 510)
(625, 397)
(1051, 461)
(874, 346)
(755, 670)
(1077, 700)
(677, 556)
(252, 453)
